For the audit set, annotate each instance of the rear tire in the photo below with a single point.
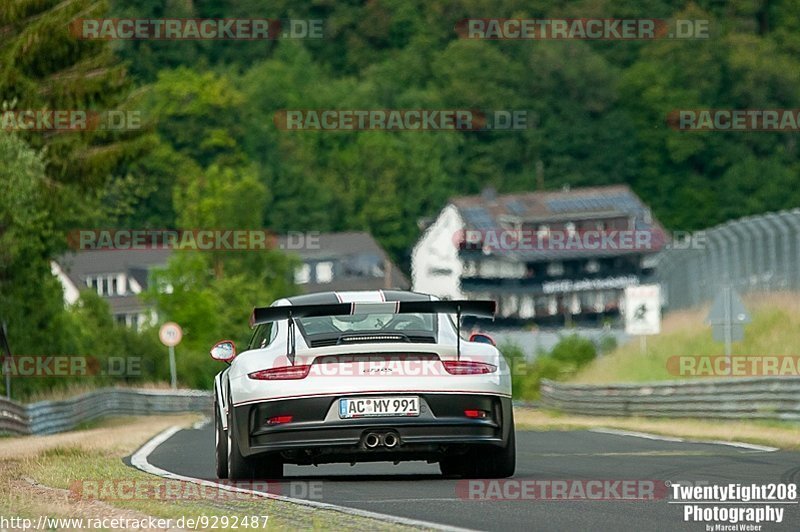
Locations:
(483, 462)
(221, 445)
(249, 467)
(503, 460)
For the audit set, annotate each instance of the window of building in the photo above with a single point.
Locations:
(302, 274)
(362, 265)
(324, 272)
(555, 269)
(543, 231)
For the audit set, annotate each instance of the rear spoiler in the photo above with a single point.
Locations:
(483, 309)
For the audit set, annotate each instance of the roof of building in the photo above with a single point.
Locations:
(77, 265)
(565, 204)
(330, 245)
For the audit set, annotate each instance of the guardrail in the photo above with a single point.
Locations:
(776, 398)
(48, 417)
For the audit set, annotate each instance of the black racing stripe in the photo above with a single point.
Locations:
(317, 298)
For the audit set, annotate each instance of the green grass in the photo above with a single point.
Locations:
(775, 330)
(63, 466)
(27, 482)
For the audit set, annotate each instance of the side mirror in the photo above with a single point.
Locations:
(223, 351)
(481, 338)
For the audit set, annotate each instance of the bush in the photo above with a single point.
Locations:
(574, 350)
(566, 357)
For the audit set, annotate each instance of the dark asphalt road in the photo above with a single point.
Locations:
(415, 490)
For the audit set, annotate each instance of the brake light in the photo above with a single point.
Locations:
(282, 373)
(467, 367)
(477, 414)
(277, 420)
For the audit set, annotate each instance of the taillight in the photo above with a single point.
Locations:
(282, 373)
(475, 414)
(467, 367)
(277, 420)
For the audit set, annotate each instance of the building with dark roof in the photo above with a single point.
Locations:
(329, 261)
(549, 257)
(341, 262)
(117, 275)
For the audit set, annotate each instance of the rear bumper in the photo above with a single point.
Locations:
(317, 435)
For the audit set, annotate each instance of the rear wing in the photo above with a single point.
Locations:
(483, 309)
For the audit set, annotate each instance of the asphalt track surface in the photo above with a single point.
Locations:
(416, 490)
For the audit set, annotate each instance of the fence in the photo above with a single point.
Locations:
(48, 417)
(775, 398)
(757, 253)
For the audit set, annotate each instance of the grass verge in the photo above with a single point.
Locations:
(775, 330)
(774, 434)
(38, 476)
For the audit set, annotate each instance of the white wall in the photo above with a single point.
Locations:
(435, 265)
(71, 292)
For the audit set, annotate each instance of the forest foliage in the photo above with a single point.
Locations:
(210, 155)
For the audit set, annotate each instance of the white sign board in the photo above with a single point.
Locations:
(170, 334)
(643, 309)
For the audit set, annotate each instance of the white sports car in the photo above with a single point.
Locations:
(360, 377)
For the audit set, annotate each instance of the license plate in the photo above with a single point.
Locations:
(378, 407)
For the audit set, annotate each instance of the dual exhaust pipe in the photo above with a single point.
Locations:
(385, 439)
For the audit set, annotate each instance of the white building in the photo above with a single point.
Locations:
(550, 256)
(118, 276)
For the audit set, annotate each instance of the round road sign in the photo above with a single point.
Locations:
(170, 334)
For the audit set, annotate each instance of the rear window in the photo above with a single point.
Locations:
(373, 324)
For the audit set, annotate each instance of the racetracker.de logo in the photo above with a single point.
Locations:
(501, 240)
(70, 366)
(561, 490)
(613, 29)
(191, 239)
(193, 29)
(735, 366)
(182, 490)
(734, 119)
(69, 120)
(402, 120)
